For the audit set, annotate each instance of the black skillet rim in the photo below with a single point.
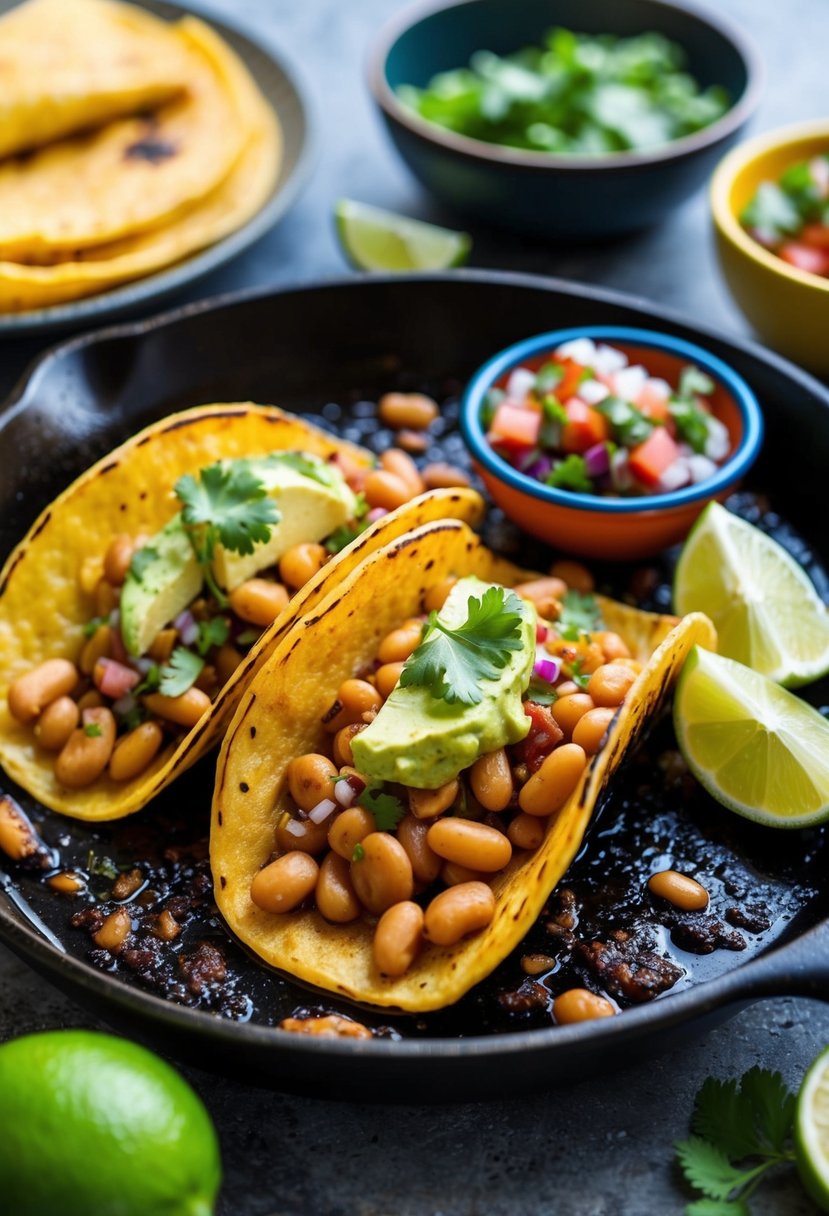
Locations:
(694, 1002)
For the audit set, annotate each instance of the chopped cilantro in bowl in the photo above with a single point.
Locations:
(575, 94)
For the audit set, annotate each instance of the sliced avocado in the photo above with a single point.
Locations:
(313, 499)
(422, 741)
(167, 585)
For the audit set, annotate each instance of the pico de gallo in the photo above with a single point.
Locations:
(790, 217)
(588, 420)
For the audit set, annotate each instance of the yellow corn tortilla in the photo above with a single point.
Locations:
(43, 607)
(237, 198)
(279, 717)
(135, 173)
(68, 65)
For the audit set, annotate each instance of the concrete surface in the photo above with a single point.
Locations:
(601, 1148)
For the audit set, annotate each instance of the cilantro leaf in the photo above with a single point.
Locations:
(707, 1168)
(141, 559)
(540, 692)
(579, 615)
(92, 730)
(548, 378)
(231, 502)
(570, 474)
(773, 1106)
(212, 632)
(718, 1207)
(386, 809)
(359, 852)
(180, 672)
(103, 867)
(452, 662)
(693, 382)
(302, 463)
(723, 1115)
(630, 425)
(582, 678)
(94, 625)
(772, 213)
(691, 421)
(247, 637)
(553, 418)
(150, 682)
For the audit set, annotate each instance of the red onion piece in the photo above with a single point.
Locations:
(547, 669)
(124, 705)
(376, 513)
(597, 460)
(187, 626)
(116, 680)
(540, 468)
(322, 810)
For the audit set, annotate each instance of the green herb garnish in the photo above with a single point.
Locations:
(213, 632)
(630, 425)
(570, 474)
(180, 672)
(740, 1132)
(91, 627)
(150, 682)
(582, 678)
(92, 730)
(247, 637)
(317, 470)
(386, 809)
(141, 559)
(540, 692)
(103, 867)
(228, 505)
(359, 852)
(579, 616)
(548, 379)
(348, 532)
(452, 662)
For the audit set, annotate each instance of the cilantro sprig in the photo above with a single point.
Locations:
(180, 672)
(741, 1130)
(386, 809)
(451, 663)
(227, 505)
(212, 632)
(579, 615)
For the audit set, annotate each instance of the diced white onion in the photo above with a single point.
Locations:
(675, 476)
(607, 359)
(819, 169)
(659, 388)
(520, 382)
(629, 382)
(294, 828)
(718, 443)
(620, 469)
(322, 810)
(344, 792)
(593, 391)
(580, 350)
(701, 468)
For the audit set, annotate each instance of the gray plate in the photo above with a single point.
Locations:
(282, 92)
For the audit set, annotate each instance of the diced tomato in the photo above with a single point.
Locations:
(513, 425)
(573, 376)
(584, 427)
(805, 257)
(649, 460)
(653, 403)
(114, 679)
(816, 235)
(545, 734)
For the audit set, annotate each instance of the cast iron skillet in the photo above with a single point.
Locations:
(301, 348)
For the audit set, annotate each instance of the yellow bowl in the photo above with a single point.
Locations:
(787, 307)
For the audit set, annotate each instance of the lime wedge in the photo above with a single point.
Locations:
(756, 748)
(811, 1131)
(767, 612)
(373, 239)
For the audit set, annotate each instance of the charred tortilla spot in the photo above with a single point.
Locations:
(47, 515)
(244, 787)
(222, 881)
(219, 819)
(253, 732)
(429, 564)
(107, 468)
(152, 151)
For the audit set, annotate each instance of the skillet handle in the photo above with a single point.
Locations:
(800, 968)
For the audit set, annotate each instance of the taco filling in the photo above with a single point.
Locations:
(161, 576)
(452, 777)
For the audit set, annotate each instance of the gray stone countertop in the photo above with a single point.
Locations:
(601, 1147)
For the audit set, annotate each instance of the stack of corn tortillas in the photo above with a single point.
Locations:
(126, 144)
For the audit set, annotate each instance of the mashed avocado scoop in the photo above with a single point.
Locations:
(427, 733)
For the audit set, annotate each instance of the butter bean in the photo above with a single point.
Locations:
(547, 790)
(469, 844)
(285, 883)
(463, 909)
(398, 938)
(33, 691)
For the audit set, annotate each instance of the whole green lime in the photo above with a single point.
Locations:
(94, 1125)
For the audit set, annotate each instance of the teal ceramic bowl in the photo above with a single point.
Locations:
(557, 196)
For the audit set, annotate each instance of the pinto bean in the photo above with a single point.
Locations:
(469, 844)
(98, 647)
(567, 711)
(355, 697)
(382, 876)
(285, 883)
(441, 476)
(592, 728)
(33, 691)
(610, 684)
(335, 896)
(310, 779)
(135, 751)
(84, 757)
(349, 829)
(184, 710)
(428, 804)
(491, 780)
(458, 911)
(398, 938)
(386, 677)
(526, 831)
(545, 594)
(301, 563)
(414, 411)
(114, 931)
(679, 889)
(162, 645)
(547, 790)
(412, 834)
(400, 465)
(56, 723)
(259, 601)
(580, 1005)
(386, 490)
(574, 574)
(401, 642)
(301, 835)
(438, 594)
(118, 557)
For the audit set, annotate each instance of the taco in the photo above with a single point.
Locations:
(397, 795)
(141, 602)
